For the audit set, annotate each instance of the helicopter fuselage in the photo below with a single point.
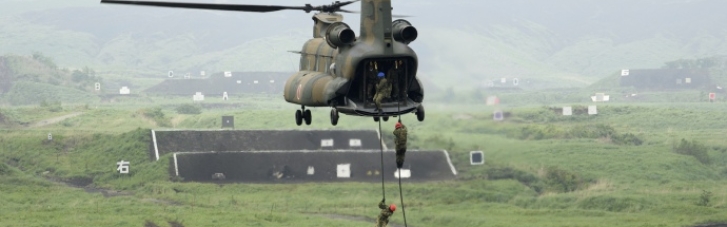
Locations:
(344, 77)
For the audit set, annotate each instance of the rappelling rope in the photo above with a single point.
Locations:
(381, 144)
(401, 195)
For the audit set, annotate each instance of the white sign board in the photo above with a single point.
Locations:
(228, 74)
(202, 73)
(122, 167)
(124, 91)
(327, 143)
(343, 171)
(97, 86)
(311, 170)
(272, 81)
(592, 110)
(600, 97)
(492, 100)
(170, 74)
(225, 96)
(497, 115)
(198, 97)
(402, 173)
(503, 80)
(354, 143)
(50, 136)
(567, 111)
(239, 82)
(477, 158)
(624, 72)
(688, 80)
(254, 82)
(515, 82)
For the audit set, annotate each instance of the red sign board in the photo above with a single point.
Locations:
(711, 96)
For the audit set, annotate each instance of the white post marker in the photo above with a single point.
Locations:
(50, 136)
(170, 74)
(97, 86)
(343, 170)
(624, 72)
(402, 173)
(198, 97)
(124, 91)
(354, 143)
(327, 143)
(311, 170)
(592, 110)
(122, 167)
(225, 96)
(228, 74)
(567, 111)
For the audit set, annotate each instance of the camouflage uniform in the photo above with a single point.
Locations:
(383, 90)
(383, 219)
(370, 82)
(400, 141)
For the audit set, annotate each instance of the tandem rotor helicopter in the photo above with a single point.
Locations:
(339, 69)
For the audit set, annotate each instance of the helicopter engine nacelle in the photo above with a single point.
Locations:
(403, 31)
(339, 34)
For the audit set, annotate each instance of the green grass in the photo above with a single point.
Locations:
(617, 185)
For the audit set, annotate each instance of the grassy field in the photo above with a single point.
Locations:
(622, 167)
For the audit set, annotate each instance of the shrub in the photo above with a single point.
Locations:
(562, 180)
(704, 198)
(694, 149)
(188, 109)
(157, 115)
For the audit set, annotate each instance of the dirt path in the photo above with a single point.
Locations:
(54, 120)
(361, 219)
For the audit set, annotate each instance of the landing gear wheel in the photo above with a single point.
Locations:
(334, 116)
(376, 119)
(386, 118)
(298, 117)
(420, 113)
(307, 117)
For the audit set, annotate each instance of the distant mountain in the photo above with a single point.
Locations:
(461, 43)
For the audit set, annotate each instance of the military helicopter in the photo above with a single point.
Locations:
(339, 69)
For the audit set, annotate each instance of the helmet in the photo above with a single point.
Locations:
(398, 125)
(392, 207)
(380, 75)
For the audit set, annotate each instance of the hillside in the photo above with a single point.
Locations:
(36, 79)
(563, 43)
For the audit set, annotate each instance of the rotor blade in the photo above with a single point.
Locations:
(230, 7)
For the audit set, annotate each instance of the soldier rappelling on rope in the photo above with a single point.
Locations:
(386, 211)
(400, 141)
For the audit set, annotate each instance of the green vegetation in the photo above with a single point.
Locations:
(188, 109)
(576, 173)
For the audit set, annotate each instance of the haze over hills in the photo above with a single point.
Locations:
(549, 44)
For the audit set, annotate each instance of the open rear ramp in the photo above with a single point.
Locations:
(309, 166)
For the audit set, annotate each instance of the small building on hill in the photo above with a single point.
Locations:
(665, 79)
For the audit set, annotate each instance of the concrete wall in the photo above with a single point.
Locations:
(258, 140)
(265, 167)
